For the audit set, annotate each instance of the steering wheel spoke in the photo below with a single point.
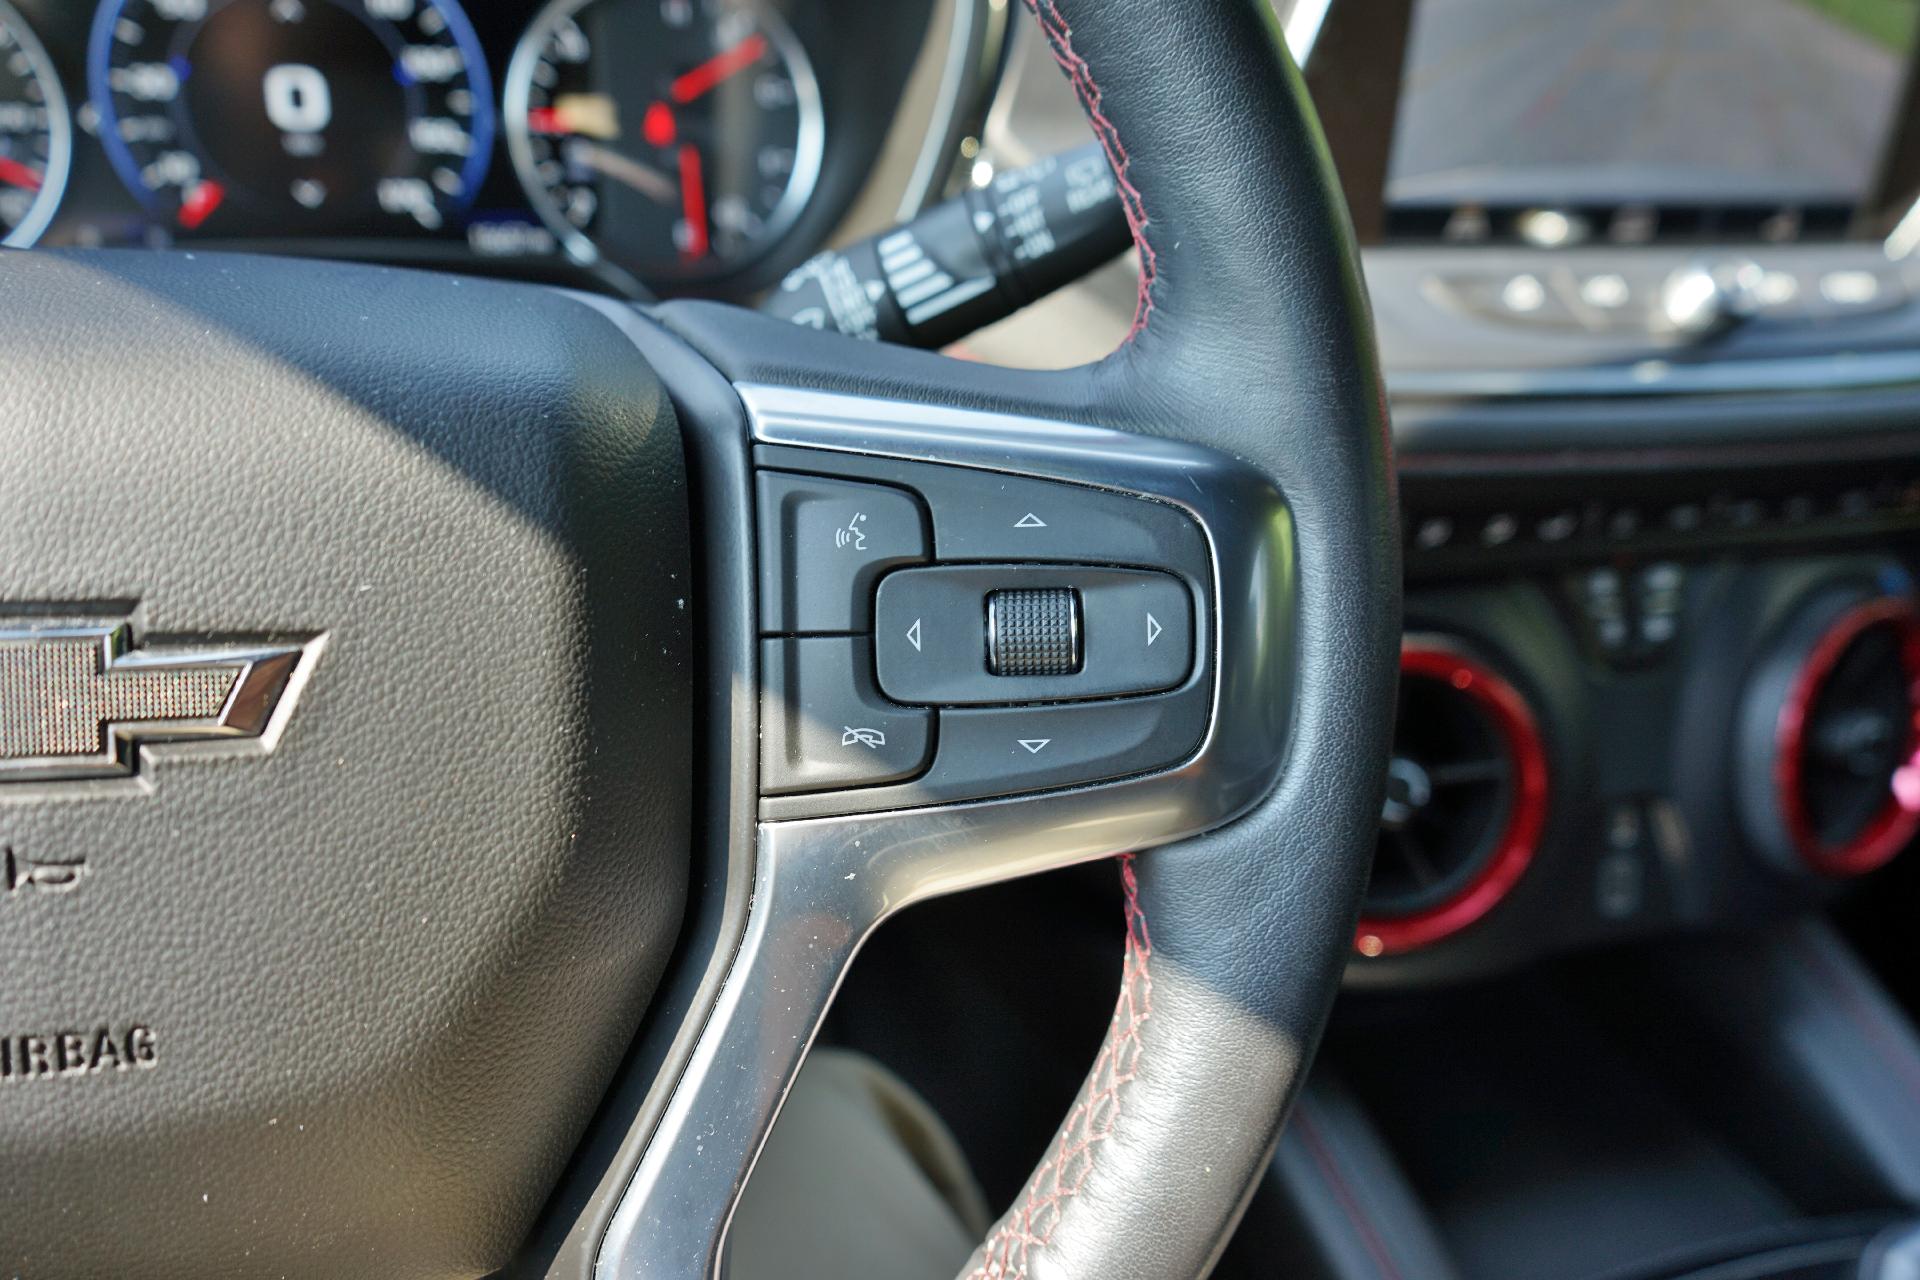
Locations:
(1013, 500)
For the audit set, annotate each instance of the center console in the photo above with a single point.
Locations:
(1656, 403)
(1660, 720)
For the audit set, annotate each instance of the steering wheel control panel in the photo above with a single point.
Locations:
(935, 633)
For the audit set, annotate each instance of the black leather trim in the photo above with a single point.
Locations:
(1791, 1045)
(1362, 1218)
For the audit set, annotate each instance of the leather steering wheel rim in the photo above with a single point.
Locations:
(1251, 336)
(1235, 942)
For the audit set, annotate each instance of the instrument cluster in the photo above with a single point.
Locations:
(677, 145)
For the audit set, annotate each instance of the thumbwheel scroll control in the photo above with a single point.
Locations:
(1033, 632)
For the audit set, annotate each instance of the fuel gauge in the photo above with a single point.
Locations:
(36, 133)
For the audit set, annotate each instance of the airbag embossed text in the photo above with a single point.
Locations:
(100, 1051)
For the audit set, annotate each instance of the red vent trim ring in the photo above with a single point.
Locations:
(1895, 826)
(1519, 734)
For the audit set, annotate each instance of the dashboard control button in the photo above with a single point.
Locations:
(1744, 513)
(1004, 751)
(1561, 526)
(1606, 610)
(1707, 297)
(1660, 586)
(1623, 524)
(824, 543)
(1623, 825)
(1523, 294)
(1499, 529)
(1658, 629)
(933, 642)
(1619, 884)
(1607, 290)
(1853, 289)
(1777, 291)
(1523, 297)
(1659, 592)
(1433, 533)
(1686, 517)
(990, 516)
(824, 726)
(984, 515)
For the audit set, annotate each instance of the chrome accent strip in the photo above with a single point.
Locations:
(268, 680)
(1839, 372)
(53, 183)
(1302, 27)
(822, 885)
(1905, 236)
(964, 81)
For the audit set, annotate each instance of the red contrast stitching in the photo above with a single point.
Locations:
(1889, 1049)
(1091, 1122)
(1323, 1156)
(1060, 40)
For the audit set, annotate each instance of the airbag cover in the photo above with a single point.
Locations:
(360, 991)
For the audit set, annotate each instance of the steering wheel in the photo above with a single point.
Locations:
(396, 873)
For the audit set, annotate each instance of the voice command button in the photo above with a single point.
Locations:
(823, 545)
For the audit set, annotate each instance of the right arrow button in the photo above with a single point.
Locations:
(1138, 630)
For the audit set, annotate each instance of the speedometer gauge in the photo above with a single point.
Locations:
(36, 134)
(293, 115)
(675, 138)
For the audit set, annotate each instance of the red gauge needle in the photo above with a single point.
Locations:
(15, 174)
(201, 202)
(721, 65)
(693, 203)
(657, 126)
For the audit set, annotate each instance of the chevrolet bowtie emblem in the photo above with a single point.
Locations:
(78, 700)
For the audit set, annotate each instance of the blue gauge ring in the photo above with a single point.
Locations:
(482, 127)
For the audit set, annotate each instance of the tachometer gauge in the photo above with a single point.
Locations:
(293, 115)
(675, 138)
(36, 134)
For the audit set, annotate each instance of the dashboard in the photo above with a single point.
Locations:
(636, 146)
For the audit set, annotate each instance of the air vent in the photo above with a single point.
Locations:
(1466, 800)
(1839, 699)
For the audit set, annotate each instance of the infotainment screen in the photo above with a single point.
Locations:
(1666, 104)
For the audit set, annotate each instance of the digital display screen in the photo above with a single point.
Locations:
(1671, 102)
